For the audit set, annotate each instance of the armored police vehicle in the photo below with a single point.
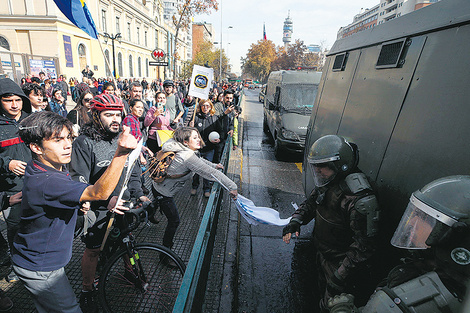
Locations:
(288, 104)
(400, 91)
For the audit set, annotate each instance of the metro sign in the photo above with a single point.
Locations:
(158, 55)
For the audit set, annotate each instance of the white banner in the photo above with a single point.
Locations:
(201, 82)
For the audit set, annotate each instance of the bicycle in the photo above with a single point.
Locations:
(136, 276)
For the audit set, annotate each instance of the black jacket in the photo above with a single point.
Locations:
(11, 148)
(206, 124)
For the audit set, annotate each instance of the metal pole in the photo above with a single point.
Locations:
(220, 51)
(114, 61)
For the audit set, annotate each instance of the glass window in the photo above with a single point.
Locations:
(129, 31)
(139, 66)
(118, 26)
(103, 20)
(146, 67)
(106, 54)
(145, 38)
(4, 43)
(138, 35)
(131, 68)
(156, 38)
(120, 64)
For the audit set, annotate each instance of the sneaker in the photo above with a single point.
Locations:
(193, 192)
(12, 277)
(5, 302)
(207, 194)
(87, 302)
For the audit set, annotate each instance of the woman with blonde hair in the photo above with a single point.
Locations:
(206, 122)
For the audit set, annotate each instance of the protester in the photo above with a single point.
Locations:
(81, 113)
(185, 142)
(87, 72)
(172, 105)
(206, 122)
(149, 95)
(157, 118)
(35, 94)
(43, 245)
(189, 105)
(58, 104)
(91, 153)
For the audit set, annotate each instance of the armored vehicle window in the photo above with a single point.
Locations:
(340, 62)
(390, 53)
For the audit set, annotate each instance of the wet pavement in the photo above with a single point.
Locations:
(261, 273)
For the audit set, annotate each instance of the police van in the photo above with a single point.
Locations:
(288, 105)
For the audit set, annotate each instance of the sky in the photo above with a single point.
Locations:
(314, 22)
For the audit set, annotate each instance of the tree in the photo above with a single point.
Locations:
(186, 11)
(206, 55)
(259, 58)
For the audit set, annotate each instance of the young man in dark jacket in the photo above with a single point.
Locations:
(14, 107)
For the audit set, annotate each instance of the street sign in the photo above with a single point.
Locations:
(158, 63)
(158, 55)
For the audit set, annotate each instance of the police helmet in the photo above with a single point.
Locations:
(335, 153)
(438, 216)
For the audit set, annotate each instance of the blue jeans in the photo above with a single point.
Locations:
(206, 184)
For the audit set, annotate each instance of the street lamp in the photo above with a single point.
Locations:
(119, 38)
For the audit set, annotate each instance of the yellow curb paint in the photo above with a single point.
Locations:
(299, 166)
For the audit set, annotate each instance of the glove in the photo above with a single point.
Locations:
(335, 285)
(292, 227)
(343, 303)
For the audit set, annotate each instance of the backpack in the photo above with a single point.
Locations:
(159, 164)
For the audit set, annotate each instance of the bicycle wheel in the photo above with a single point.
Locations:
(142, 283)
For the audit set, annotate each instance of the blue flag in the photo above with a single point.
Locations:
(77, 12)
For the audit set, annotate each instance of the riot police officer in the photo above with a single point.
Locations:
(346, 216)
(437, 220)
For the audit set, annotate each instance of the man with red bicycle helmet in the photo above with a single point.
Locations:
(91, 155)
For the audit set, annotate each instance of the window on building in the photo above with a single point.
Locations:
(107, 62)
(145, 39)
(103, 20)
(156, 38)
(129, 31)
(131, 68)
(120, 64)
(139, 66)
(146, 67)
(118, 25)
(4, 43)
(138, 35)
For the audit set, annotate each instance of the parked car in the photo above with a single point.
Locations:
(261, 95)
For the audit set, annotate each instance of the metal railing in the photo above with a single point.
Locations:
(195, 277)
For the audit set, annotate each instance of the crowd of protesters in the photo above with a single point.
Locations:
(103, 108)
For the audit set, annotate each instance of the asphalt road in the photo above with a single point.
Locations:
(272, 276)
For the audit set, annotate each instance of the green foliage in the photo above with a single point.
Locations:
(259, 58)
(207, 55)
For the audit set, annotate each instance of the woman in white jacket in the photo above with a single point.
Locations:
(185, 142)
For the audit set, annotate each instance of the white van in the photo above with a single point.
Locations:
(288, 104)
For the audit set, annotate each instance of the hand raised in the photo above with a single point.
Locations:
(126, 142)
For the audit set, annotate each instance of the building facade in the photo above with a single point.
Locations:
(384, 11)
(35, 31)
(201, 32)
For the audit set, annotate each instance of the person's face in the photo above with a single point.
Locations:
(109, 90)
(168, 89)
(41, 76)
(35, 99)
(138, 109)
(44, 104)
(161, 99)
(58, 95)
(228, 98)
(12, 106)
(324, 172)
(194, 142)
(55, 151)
(205, 108)
(111, 120)
(86, 100)
(136, 92)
